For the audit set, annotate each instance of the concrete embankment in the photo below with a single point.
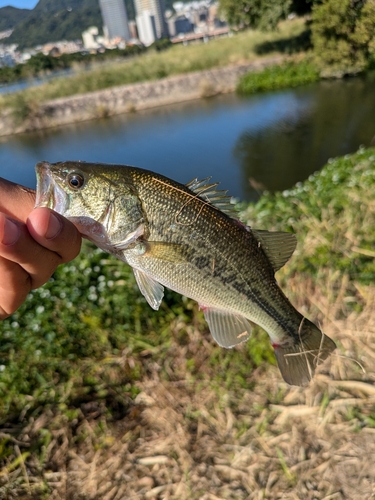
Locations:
(127, 98)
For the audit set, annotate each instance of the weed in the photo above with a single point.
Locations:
(290, 74)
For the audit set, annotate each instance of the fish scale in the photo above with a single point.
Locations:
(187, 238)
(215, 227)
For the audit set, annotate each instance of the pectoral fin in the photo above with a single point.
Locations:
(152, 291)
(227, 329)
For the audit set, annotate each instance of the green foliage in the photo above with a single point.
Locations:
(289, 74)
(332, 209)
(343, 34)
(86, 316)
(10, 16)
(262, 14)
(59, 25)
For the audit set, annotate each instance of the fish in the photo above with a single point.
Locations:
(189, 238)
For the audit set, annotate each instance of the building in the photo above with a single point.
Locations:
(115, 19)
(179, 24)
(150, 20)
(146, 28)
(89, 38)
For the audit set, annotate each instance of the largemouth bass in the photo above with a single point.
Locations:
(188, 238)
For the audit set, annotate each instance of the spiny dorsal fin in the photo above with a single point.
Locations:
(216, 197)
(277, 245)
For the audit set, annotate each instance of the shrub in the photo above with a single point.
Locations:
(343, 34)
(290, 74)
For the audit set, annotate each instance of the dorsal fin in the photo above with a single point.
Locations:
(277, 245)
(216, 197)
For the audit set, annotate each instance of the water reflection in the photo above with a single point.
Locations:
(331, 119)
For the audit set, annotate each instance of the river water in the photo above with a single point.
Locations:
(266, 141)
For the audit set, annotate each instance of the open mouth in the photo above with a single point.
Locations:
(48, 192)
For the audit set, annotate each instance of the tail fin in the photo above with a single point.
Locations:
(297, 361)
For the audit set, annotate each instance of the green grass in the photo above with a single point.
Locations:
(287, 75)
(315, 210)
(72, 334)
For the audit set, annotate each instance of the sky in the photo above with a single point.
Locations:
(20, 4)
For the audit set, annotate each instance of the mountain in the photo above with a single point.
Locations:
(10, 16)
(54, 20)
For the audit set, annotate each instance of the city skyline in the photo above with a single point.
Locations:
(115, 19)
(150, 20)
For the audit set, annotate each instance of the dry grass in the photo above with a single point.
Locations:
(183, 439)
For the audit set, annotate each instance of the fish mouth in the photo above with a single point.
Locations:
(48, 192)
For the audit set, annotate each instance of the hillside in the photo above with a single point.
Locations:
(56, 20)
(10, 17)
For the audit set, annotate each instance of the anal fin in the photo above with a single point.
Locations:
(227, 329)
(152, 291)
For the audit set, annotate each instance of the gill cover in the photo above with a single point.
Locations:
(105, 211)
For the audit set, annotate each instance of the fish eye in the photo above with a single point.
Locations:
(75, 180)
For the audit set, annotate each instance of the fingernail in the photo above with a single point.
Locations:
(54, 227)
(11, 232)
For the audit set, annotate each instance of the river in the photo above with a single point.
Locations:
(265, 141)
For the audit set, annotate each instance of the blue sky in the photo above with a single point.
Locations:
(21, 4)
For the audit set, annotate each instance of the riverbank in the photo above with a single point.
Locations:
(121, 401)
(126, 98)
(152, 79)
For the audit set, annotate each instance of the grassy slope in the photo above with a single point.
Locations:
(111, 400)
(246, 46)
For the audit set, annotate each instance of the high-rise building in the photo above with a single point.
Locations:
(150, 20)
(115, 19)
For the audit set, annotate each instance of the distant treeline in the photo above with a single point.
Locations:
(40, 64)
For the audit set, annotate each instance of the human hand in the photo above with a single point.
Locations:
(33, 242)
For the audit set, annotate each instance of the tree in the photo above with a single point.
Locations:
(343, 33)
(262, 14)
